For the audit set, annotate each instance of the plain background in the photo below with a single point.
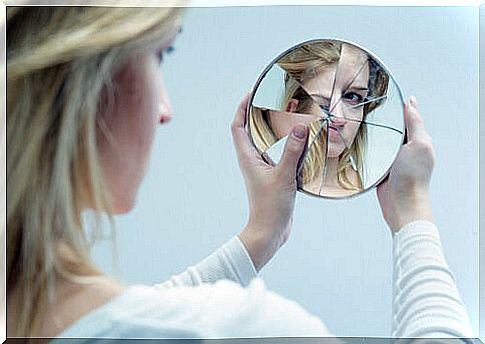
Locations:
(337, 262)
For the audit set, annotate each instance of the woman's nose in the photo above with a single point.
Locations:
(337, 112)
(164, 113)
(164, 106)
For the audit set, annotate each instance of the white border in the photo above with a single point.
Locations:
(227, 3)
(153, 3)
(3, 182)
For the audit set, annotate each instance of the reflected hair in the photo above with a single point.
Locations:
(61, 62)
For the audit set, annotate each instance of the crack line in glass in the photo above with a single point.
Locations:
(324, 174)
(369, 101)
(368, 123)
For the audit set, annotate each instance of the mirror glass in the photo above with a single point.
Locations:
(351, 104)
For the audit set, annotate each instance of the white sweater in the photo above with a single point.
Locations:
(221, 297)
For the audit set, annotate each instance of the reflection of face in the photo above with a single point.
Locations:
(349, 88)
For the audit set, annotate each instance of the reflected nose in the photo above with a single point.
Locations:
(337, 117)
(337, 121)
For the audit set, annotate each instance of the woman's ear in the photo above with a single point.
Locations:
(292, 105)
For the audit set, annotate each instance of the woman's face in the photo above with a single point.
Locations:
(337, 88)
(140, 105)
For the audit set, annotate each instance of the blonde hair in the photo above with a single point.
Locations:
(298, 65)
(60, 64)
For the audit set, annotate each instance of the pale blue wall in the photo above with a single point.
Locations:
(337, 262)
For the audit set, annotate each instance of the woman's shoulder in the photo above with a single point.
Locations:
(222, 309)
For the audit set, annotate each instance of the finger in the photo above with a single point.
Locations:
(414, 122)
(380, 191)
(294, 147)
(243, 145)
(240, 116)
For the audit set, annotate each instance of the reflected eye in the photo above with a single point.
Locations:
(353, 98)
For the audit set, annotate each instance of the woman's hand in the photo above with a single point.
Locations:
(404, 195)
(271, 190)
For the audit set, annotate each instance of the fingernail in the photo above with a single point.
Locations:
(413, 101)
(299, 132)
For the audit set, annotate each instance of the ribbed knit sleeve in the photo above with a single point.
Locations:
(231, 262)
(426, 301)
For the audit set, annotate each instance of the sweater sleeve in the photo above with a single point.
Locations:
(426, 301)
(231, 261)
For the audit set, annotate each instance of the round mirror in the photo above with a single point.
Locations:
(351, 104)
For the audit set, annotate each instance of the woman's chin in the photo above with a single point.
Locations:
(334, 153)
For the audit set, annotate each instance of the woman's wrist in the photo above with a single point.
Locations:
(413, 208)
(260, 247)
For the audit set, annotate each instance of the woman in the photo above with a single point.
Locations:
(330, 86)
(84, 97)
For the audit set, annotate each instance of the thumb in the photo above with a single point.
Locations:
(413, 120)
(294, 147)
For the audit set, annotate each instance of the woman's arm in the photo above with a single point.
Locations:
(426, 302)
(271, 192)
(231, 261)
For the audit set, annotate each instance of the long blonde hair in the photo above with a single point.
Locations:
(60, 64)
(297, 64)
